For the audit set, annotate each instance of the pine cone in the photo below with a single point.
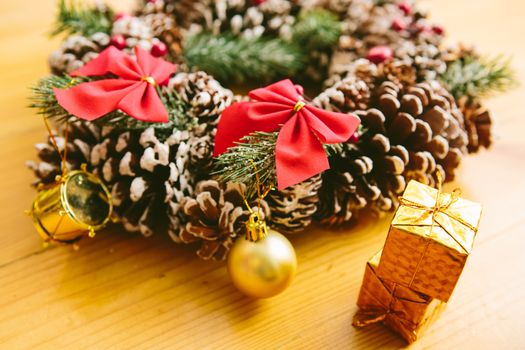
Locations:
(185, 12)
(76, 51)
(345, 189)
(136, 31)
(201, 153)
(205, 94)
(164, 27)
(410, 131)
(293, 208)
(214, 217)
(82, 137)
(144, 174)
(158, 23)
(478, 123)
(241, 17)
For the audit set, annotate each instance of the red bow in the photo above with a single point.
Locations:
(299, 153)
(133, 92)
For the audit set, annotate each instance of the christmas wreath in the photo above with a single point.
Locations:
(154, 105)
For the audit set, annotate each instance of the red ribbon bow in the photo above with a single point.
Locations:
(299, 152)
(133, 91)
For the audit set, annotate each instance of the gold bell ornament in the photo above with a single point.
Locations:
(263, 263)
(76, 204)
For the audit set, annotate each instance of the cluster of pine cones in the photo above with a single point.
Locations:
(411, 125)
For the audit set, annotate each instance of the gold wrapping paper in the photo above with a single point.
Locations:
(430, 238)
(399, 308)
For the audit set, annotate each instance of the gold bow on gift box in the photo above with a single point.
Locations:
(430, 238)
(400, 308)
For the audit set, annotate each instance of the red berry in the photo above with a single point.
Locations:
(439, 30)
(405, 7)
(121, 15)
(159, 49)
(257, 2)
(354, 138)
(398, 25)
(379, 54)
(119, 41)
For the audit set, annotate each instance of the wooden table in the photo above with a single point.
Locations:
(122, 291)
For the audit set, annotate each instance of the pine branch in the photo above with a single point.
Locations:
(44, 101)
(74, 18)
(257, 151)
(476, 77)
(316, 29)
(232, 58)
(43, 98)
(238, 164)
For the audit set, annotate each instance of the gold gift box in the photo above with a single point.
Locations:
(403, 310)
(430, 238)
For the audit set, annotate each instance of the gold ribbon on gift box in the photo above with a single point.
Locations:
(442, 204)
(422, 205)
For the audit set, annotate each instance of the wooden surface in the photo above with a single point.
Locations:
(122, 291)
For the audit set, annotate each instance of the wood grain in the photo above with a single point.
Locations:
(122, 291)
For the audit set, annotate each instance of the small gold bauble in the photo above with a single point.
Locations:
(263, 268)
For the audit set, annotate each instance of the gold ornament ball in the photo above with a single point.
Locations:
(264, 268)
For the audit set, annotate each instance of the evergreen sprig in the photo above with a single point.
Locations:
(257, 151)
(477, 77)
(43, 98)
(233, 58)
(316, 29)
(238, 164)
(44, 101)
(75, 18)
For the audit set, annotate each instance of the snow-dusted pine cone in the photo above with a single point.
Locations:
(206, 96)
(214, 217)
(410, 130)
(82, 137)
(248, 18)
(201, 152)
(294, 207)
(185, 12)
(164, 27)
(144, 174)
(76, 51)
(136, 32)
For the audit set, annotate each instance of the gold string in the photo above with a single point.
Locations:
(439, 207)
(62, 155)
(261, 191)
(255, 226)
